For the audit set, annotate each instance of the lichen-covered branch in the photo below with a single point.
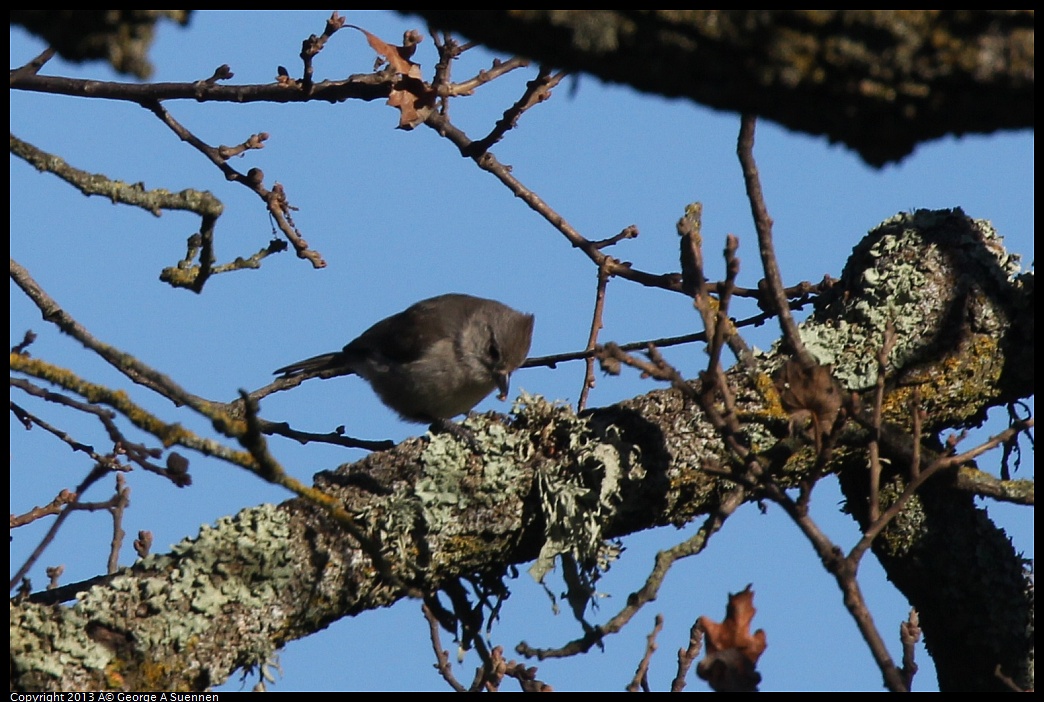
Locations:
(879, 81)
(438, 511)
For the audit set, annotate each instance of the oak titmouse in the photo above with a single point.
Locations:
(435, 359)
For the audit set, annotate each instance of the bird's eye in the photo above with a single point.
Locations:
(494, 351)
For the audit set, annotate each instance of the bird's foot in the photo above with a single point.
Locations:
(445, 426)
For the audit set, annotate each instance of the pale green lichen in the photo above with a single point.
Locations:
(578, 500)
(201, 577)
(449, 484)
(904, 273)
(181, 590)
(34, 630)
(906, 529)
(392, 522)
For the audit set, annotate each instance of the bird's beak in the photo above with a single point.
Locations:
(502, 379)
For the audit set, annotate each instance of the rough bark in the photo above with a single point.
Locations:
(228, 599)
(879, 81)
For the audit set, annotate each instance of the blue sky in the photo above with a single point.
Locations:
(400, 216)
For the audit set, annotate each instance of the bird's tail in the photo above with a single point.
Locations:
(314, 365)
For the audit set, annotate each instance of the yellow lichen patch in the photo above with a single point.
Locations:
(952, 386)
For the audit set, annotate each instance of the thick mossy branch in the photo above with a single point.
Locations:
(123, 38)
(879, 81)
(439, 511)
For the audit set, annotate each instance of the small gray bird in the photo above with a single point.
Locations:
(435, 359)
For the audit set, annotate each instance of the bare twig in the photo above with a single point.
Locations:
(335, 437)
(763, 225)
(628, 232)
(25, 343)
(909, 636)
(313, 45)
(119, 502)
(448, 50)
(53, 507)
(143, 544)
(1014, 447)
(275, 199)
(470, 620)
(554, 359)
(135, 452)
(498, 69)
(34, 66)
(873, 447)
(940, 464)
(53, 574)
(96, 474)
(526, 677)
(537, 90)
(123, 362)
(592, 339)
(998, 672)
(364, 86)
(843, 569)
(488, 162)
(441, 656)
(640, 681)
(647, 593)
(687, 655)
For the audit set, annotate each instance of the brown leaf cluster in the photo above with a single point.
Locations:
(414, 98)
(732, 651)
(811, 396)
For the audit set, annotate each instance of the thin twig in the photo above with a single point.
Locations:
(998, 672)
(553, 360)
(441, 656)
(640, 681)
(313, 45)
(361, 86)
(131, 367)
(95, 475)
(628, 232)
(844, 570)
(135, 452)
(120, 501)
(467, 87)
(647, 593)
(592, 338)
(873, 447)
(909, 636)
(687, 655)
(537, 90)
(335, 437)
(763, 225)
(34, 66)
(53, 507)
(275, 199)
(940, 464)
(488, 162)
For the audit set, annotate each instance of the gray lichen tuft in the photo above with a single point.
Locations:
(579, 498)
